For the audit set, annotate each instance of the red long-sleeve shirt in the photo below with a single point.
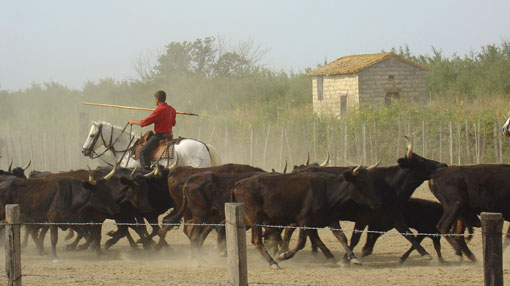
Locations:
(163, 118)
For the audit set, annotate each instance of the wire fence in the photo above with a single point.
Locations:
(259, 225)
(238, 224)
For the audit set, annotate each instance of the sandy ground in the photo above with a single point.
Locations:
(381, 268)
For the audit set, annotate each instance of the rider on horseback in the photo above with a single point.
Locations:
(164, 119)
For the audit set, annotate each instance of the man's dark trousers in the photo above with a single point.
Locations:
(146, 150)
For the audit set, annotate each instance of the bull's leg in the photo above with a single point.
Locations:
(287, 235)
(303, 233)
(70, 234)
(54, 240)
(95, 237)
(221, 241)
(445, 224)
(404, 257)
(404, 230)
(73, 245)
(26, 233)
(437, 246)
(33, 231)
(317, 242)
(42, 234)
(465, 249)
(355, 237)
(256, 238)
(339, 234)
(372, 237)
(116, 236)
(131, 241)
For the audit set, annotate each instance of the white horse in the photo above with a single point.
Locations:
(106, 138)
(506, 127)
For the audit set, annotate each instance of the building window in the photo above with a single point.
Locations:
(391, 96)
(343, 103)
(319, 87)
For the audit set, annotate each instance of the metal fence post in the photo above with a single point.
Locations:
(492, 227)
(236, 244)
(12, 245)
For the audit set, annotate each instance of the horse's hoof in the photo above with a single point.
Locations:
(355, 261)
(275, 266)
(427, 256)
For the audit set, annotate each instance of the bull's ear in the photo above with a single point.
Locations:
(404, 163)
(125, 181)
(349, 176)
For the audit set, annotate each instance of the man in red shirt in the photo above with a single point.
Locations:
(164, 119)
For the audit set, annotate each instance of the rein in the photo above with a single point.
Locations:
(109, 146)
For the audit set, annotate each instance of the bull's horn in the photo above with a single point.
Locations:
(307, 159)
(91, 178)
(109, 175)
(375, 165)
(285, 168)
(175, 163)
(132, 175)
(325, 163)
(157, 172)
(10, 166)
(355, 171)
(28, 165)
(409, 147)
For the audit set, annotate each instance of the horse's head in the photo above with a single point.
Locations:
(92, 142)
(505, 127)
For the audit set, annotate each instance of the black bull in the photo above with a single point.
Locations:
(465, 191)
(395, 185)
(59, 200)
(305, 199)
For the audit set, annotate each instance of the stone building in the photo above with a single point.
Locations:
(352, 82)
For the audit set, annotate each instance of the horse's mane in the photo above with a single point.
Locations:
(109, 125)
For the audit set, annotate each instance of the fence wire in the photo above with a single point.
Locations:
(259, 225)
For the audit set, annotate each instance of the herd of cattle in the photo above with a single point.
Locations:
(312, 195)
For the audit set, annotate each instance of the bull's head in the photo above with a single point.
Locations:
(364, 191)
(137, 192)
(420, 166)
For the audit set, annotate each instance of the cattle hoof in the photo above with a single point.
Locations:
(427, 257)
(282, 256)
(275, 266)
(56, 260)
(355, 261)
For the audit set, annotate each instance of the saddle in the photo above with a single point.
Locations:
(164, 150)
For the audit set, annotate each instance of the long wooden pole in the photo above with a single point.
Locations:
(134, 108)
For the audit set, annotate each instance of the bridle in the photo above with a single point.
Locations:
(109, 146)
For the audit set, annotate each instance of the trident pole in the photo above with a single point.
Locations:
(133, 108)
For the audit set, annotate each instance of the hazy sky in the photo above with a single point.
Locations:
(71, 42)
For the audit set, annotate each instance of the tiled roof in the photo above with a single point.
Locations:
(356, 63)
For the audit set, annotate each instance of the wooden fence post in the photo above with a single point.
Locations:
(496, 149)
(265, 144)
(12, 245)
(236, 244)
(314, 143)
(451, 142)
(492, 227)
(251, 146)
(440, 142)
(364, 142)
(399, 134)
(346, 143)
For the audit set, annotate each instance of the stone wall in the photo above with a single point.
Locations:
(333, 87)
(408, 80)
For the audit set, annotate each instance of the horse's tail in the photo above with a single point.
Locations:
(215, 157)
